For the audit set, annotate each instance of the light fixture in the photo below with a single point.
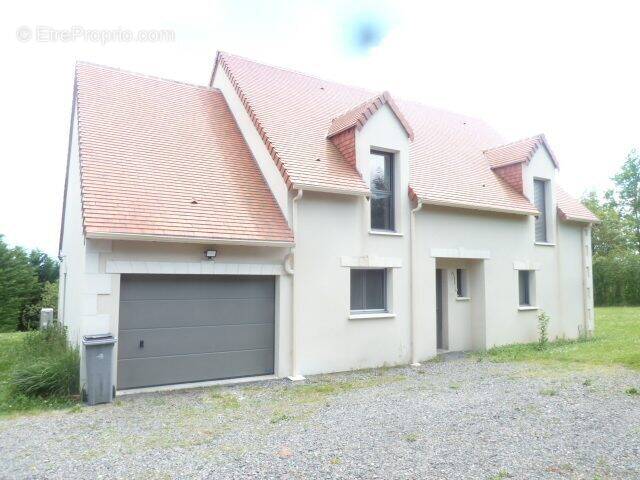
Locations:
(210, 254)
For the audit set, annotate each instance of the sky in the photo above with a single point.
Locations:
(568, 69)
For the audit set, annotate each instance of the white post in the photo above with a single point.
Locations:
(46, 317)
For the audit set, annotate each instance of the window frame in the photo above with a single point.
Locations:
(543, 217)
(385, 291)
(461, 283)
(390, 194)
(529, 292)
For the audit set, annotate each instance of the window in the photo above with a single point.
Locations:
(368, 290)
(461, 283)
(540, 201)
(382, 204)
(524, 287)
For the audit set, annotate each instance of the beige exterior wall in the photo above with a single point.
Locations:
(333, 235)
(72, 249)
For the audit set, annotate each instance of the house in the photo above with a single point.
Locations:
(274, 223)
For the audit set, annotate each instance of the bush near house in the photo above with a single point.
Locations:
(38, 370)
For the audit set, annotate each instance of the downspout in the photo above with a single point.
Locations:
(290, 269)
(414, 293)
(587, 283)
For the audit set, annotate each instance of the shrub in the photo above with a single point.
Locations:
(50, 376)
(46, 365)
(543, 330)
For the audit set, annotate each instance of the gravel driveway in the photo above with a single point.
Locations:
(456, 419)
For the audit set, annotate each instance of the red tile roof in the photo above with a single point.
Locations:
(518, 152)
(571, 209)
(292, 112)
(166, 159)
(358, 116)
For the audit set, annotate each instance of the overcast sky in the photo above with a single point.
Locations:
(568, 69)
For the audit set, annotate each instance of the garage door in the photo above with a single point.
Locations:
(189, 328)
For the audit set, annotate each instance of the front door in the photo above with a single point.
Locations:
(439, 308)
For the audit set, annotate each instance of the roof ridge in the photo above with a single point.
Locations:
(291, 70)
(145, 75)
(343, 84)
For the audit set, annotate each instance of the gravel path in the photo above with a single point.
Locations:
(455, 419)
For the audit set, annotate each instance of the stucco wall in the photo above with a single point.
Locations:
(508, 239)
(333, 226)
(70, 300)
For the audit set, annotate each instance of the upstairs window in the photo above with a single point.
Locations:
(540, 201)
(382, 188)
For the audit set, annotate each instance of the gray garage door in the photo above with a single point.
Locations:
(189, 328)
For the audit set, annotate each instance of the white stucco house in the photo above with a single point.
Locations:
(273, 223)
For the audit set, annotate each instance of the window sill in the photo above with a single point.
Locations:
(525, 308)
(367, 316)
(385, 233)
(463, 299)
(545, 244)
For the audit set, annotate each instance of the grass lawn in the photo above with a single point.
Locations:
(11, 404)
(616, 342)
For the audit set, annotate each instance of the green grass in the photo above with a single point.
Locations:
(616, 342)
(11, 403)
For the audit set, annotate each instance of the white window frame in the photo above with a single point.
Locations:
(549, 213)
(533, 299)
(461, 276)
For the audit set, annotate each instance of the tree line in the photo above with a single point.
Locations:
(616, 239)
(28, 283)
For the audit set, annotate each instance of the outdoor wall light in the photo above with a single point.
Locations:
(210, 254)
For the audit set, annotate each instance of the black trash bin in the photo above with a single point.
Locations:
(98, 361)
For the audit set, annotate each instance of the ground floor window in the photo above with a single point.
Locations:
(368, 290)
(525, 279)
(461, 283)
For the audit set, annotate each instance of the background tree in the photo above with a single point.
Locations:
(627, 183)
(28, 282)
(616, 239)
(18, 285)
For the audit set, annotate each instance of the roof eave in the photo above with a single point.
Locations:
(473, 206)
(572, 218)
(187, 239)
(341, 191)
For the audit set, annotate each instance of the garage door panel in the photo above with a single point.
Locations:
(181, 312)
(147, 372)
(197, 340)
(193, 287)
(194, 328)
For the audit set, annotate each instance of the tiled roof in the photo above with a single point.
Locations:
(571, 209)
(518, 152)
(358, 116)
(293, 112)
(166, 159)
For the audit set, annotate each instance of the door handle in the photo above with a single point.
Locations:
(141, 344)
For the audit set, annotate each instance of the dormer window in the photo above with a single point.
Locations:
(382, 189)
(540, 201)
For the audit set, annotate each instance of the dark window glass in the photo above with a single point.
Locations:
(368, 289)
(459, 284)
(381, 191)
(524, 287)
(540, 201)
